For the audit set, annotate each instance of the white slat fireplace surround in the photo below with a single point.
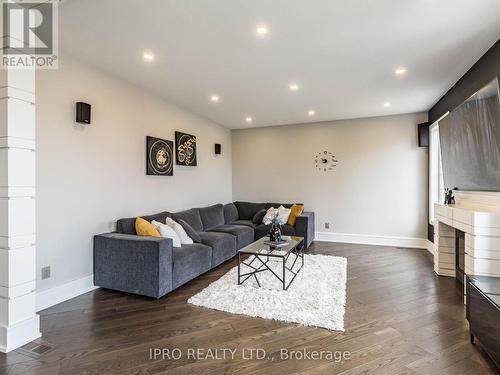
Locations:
(478, 215)
(19, 323)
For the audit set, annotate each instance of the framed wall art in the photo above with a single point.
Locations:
(159, 156)
(185, 149)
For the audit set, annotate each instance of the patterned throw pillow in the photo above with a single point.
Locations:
(283, 214)
(270, 215)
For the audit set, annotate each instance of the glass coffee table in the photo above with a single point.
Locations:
(261, 254)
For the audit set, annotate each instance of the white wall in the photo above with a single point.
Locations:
(87, 177)
(379, 187)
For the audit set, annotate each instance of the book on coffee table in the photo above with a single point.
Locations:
(281, 243)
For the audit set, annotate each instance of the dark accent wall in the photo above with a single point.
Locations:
(483, 71)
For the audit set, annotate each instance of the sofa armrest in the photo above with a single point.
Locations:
(304, 227)
(133, 264)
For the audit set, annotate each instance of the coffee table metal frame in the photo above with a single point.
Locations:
(263, 256)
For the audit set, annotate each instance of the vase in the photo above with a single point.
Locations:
(275, 233)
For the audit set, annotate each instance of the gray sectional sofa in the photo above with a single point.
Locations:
(151, 266)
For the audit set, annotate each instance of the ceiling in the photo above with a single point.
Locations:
(341, 54)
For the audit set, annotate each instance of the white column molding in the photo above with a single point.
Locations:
(444, 253)
(19, 323)
(480, 222)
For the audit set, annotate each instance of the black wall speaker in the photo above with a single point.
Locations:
(218, 149)
(83, 113)
(423, 134)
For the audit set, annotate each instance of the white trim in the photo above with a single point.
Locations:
(61, 293)
(368, 239)
(19, 334)
(442, 117)
(50, 297)
(430, 247)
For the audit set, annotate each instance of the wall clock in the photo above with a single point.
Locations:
(325, 161)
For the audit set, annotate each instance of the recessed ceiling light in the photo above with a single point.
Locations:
(215, 98)
(387, 104)
(312, 112)
(293, 87)
(249, 119)
(148, 56)
(400, 71)
(261, 30)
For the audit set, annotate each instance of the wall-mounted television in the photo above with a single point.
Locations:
(470, 142)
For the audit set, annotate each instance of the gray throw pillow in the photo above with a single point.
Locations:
(257, 218)
(190, 231)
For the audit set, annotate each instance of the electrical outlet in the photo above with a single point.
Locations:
(327, 225)
(45, 272)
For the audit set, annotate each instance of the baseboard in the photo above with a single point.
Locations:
(367, 239)
(19, 334)
(50, 297)
(430, 247)
(61, 293)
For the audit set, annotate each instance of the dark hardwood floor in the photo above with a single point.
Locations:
(400, 319)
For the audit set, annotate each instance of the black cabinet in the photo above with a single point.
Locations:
(460, 256)
(483, 313)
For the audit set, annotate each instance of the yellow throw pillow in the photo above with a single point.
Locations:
(296, 210)
(145, 228)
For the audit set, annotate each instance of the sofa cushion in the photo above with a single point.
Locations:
(190, 261)
(259, 216)
(230, 213)
(247, 223)
(190, 231)
(247, 210)
(295, 211)
(127, 226)
(244, 234)
(212, 216)
(145, 228)
(166, 231)
(283, 215)
(270, 215)
(263, 230)
(192, 217)
(180, 231)
(223, 246)
(276, 205)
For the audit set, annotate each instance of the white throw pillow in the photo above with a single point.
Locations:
(283, 214)
(270, 215)
(185, 239)
(167, 232)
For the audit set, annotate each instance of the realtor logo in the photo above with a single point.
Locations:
(29, 34)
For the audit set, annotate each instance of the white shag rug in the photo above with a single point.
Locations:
(316, 297)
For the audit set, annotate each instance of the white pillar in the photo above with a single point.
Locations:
(19, 323)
